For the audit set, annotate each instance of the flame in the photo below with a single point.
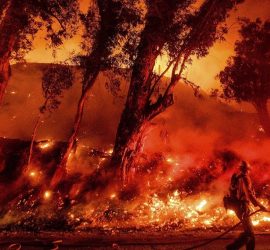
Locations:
(188, 213)
(47, 195)
(231, 212)
(33, 174)
(112, 196)
(45, 145)
(201, 205)
(255, 222)
(170, 160)
(266, 219)
(109, 151)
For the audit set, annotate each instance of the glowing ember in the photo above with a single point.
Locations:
(112, 196)
(201, 205)
(207, 222)
(176, 193)
(255, 222)
(47, 195)
(231, 212)
(32, 174)
(170, 160)
(45, 145)
(109, 151)
(70, 156)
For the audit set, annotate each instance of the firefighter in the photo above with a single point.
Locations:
(241, 192)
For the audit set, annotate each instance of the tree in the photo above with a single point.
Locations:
(246, 78)
(171, 27)
(55, 80)
(21, 20)
(108, 24)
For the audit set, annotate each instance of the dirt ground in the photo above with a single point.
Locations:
(129, 241)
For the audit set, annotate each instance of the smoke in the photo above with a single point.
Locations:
(24, 97)
(190, 151)
(191, 131)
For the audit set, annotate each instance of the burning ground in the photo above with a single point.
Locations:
(189, 155)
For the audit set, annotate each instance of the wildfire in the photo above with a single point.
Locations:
(185, 212)
(174, 209)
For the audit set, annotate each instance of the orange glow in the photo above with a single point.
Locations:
(32, 174)
(47, 195)
(211, 64)
(45, 145)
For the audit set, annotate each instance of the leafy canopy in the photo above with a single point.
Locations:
(21, 20)
(247, 74)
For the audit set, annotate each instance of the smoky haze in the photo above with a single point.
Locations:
(188, 123)
(194, 136)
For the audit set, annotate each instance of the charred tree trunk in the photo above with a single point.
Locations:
(61, 170)
(134, 119)
(33, 139)
(41, 112)
(139, 109)
(93, 65)
(109, 11)
(263, 115)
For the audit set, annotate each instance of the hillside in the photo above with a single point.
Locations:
(200, 115)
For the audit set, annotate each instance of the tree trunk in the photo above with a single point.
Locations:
(263, 116)
(4, 77)
(10, 27)
(61, 170)
(35, 130)
(108, 15)
(133, 120)
(33, 138)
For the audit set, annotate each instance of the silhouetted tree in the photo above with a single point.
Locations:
(21, 20)
(110, 25)
(174, 28)
(247, 74)
(55, 80)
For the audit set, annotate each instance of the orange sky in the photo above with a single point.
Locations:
(202, 71)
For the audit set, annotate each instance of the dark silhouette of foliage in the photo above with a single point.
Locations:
(109, 25)
(55, 80)
(247, 74)
(21, 20)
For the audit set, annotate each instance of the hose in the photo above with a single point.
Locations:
(221, 235)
